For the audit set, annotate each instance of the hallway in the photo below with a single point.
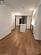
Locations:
(19, 43)
(17, 19)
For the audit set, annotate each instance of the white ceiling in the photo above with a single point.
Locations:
(25, 6)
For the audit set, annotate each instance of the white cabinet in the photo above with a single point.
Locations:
(22, 27)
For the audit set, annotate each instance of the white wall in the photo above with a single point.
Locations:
(29, 18)
(5, 21)
(37, 25)
(17, 21)
(12, 21)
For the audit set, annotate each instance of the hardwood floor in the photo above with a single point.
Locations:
(18, 43)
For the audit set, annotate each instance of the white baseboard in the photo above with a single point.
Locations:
(4, 34)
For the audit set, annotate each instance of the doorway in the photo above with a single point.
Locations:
(20, 20)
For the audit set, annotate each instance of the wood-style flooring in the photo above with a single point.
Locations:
(20, 43)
